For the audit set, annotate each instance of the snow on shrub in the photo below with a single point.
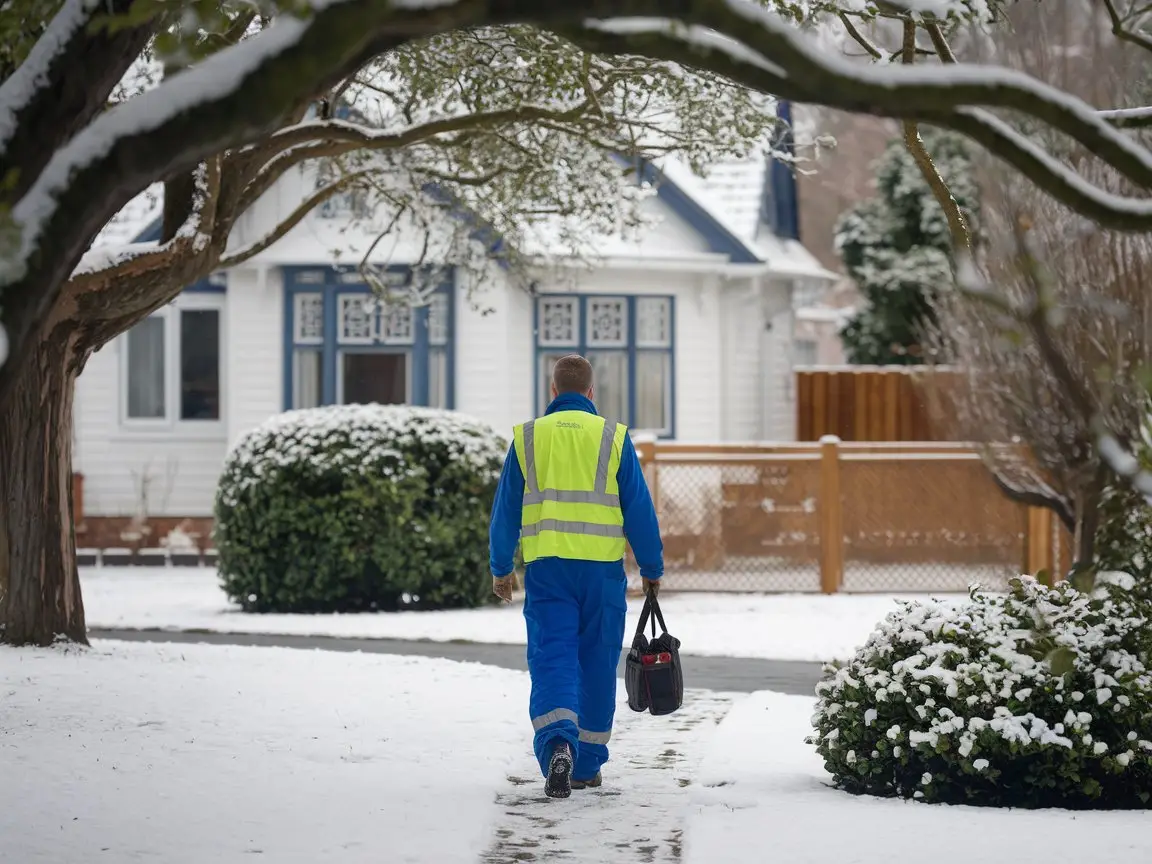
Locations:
(359, 507)
(1039, 698)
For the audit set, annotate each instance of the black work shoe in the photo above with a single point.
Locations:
(595, 783)
(559, 782)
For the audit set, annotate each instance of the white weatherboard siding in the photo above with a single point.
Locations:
(340, 238)
(741, 383)
(117, 462)
(255, 339)
(779, 399)
(485, 339)
(521, 372)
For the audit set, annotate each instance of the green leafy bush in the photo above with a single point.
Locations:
(1124, 539)
(358, 508)
(1039, 698)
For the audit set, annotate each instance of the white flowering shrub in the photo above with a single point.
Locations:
(358, 508)
(1039, 698)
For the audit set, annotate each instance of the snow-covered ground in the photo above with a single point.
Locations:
(778, 627)
(193, 754)
(761, 788)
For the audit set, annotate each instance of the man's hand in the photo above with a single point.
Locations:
(651, 586)
(502, 587)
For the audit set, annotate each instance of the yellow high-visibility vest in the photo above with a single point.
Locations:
(571, 497)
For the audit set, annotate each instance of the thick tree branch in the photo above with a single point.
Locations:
(957, 224)
(49, 100)
(885, 100)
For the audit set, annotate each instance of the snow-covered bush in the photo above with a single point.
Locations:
(361, 507)
(1037, 698)
(1124, 536)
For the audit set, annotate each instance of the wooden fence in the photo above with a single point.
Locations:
(871, 403)
(834, 517)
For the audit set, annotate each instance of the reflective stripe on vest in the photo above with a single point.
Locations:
(571, 497)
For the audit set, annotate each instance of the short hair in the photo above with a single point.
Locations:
(572, 374)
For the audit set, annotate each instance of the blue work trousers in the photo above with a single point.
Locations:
(575, 612)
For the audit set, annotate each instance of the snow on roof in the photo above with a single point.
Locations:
(788, 257)
(731, 192)
(825, 313)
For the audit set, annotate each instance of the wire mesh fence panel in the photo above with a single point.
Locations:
(928, 522)
(732, 524)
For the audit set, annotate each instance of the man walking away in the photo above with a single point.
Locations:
(572, 491)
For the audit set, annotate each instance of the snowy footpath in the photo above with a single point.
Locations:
(774, 626)
(640, 812)
(189, 753)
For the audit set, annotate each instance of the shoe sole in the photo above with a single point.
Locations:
(559, 783)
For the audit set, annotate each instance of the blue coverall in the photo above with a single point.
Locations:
(575, 611)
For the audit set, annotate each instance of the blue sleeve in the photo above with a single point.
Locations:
(640, 525)
(504, 527)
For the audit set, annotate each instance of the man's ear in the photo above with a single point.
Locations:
(592, 393)
(555, 392)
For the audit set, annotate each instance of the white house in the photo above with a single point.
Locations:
(689, 328)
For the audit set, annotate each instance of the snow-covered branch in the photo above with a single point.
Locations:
(943, 96)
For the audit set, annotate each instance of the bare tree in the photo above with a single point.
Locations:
(1049, 390)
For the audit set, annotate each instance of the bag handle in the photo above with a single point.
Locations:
(651, 608)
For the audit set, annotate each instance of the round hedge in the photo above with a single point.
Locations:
(1039, 698)
(358, 508)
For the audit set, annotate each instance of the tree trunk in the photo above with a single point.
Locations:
(39, 583)
(1088, 520)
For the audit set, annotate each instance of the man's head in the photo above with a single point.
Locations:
(572, 374)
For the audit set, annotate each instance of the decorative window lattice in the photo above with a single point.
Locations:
(309, 319)
(357, 319)
(397, 325)
(608, 322)
(653, 322)
(559, 321)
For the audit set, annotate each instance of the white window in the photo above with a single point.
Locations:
(559, 321)
(309, 319)
(396, 325)
(172, 367)
(357, 317)
(608, 322)
(628, 341)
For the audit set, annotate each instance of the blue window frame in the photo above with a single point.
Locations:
(630, 341)
(342, 346)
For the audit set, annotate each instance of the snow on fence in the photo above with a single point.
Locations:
(834, 516)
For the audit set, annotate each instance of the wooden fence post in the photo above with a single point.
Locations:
(1038, 544)
(830, 511)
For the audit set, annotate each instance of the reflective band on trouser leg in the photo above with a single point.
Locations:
(590, 529)
(587, 737)
(557, 716)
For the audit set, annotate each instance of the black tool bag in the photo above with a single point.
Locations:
(652, 675)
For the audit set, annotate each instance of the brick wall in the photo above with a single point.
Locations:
(106, 532)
